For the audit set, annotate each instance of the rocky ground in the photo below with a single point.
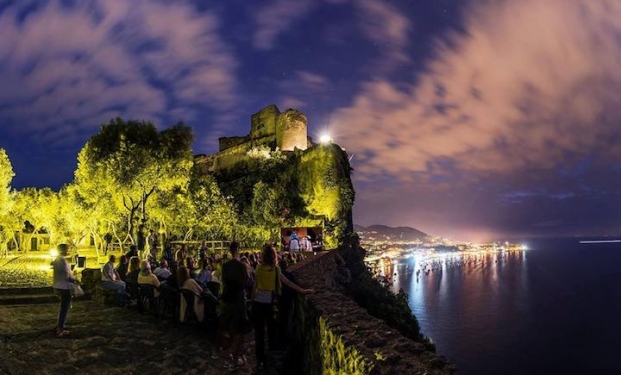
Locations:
(105, 340)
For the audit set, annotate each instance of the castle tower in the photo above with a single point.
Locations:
(291, 131)
(263, 123)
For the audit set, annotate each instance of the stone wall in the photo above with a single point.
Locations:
(228, 142)
(263, 123)
(334, 335)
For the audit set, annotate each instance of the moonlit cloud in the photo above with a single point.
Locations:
(503, 96)
(302, 89)
(385, 25)
(276, 17)
(69, 68)
(530, 87)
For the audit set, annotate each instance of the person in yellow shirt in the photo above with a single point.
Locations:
(267, 289)
(147, 277)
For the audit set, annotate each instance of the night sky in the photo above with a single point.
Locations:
(468, 119)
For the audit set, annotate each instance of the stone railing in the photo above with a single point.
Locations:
(334, 335)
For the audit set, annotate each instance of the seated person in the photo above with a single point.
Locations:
(134, 270)
(110, 279)
(162, 272)
(186, 282)
(190, 264)
(204, 275)
(133, 252)
(121, 269)
(146, 277)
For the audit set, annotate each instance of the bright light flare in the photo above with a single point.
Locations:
(325, 139)
(54, 253)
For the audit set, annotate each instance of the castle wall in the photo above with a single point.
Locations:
(263, 123)
(228, 142)
(269, 127)
(233, 155)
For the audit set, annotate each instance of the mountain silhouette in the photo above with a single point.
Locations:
(408, 233)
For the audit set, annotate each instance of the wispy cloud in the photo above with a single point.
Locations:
(302, 88)
(501, 97)
(531, 87)
(73, 67)
(276, 17)
(386, 26)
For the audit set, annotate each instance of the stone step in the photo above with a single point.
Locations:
(26, 291)
(28, 299)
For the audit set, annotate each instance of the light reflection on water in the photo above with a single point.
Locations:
(554, 309)
(468, 295)
(430, 282)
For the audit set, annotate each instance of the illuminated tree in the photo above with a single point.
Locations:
(215, 213)
(33, 211)
(77, 221)
(130, 162)
(94, 192)
(6, 176)
(173, 211)
(266, 212)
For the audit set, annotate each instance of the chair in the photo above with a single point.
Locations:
(211, 311)
(214, 288)
(169, 301)
(147, 294)
(133, 293)
(189, 297)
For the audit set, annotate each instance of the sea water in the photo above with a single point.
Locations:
(552, 309)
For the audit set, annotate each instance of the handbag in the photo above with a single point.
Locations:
(76, 290)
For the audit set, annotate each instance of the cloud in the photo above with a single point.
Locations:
(529, 89)
(275, 18)
(386, 26)
(529, 83)
(301, 89)
(71, 68)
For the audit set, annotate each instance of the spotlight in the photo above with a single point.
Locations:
(325, 139)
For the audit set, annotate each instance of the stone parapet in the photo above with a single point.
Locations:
(334, 335)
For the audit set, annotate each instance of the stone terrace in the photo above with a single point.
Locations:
(104, 340)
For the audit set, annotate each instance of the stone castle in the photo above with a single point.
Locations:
(270, 128)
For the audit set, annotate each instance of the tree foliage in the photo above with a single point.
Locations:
(127, 163)
(131, 175)
(6, 176)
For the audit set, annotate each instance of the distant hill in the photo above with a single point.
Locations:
(408, 233)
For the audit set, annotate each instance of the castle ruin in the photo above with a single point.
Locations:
(270, 128)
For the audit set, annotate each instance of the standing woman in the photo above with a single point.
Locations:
(267, 288)
(62, 286)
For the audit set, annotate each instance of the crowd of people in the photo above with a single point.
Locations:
(253, 291)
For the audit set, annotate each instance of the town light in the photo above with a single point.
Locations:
(325, 139)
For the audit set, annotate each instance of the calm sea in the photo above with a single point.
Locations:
(553, 309)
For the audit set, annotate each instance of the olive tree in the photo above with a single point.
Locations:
(128, 162)
(6, 176)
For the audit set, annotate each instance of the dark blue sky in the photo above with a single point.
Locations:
(464, 118)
